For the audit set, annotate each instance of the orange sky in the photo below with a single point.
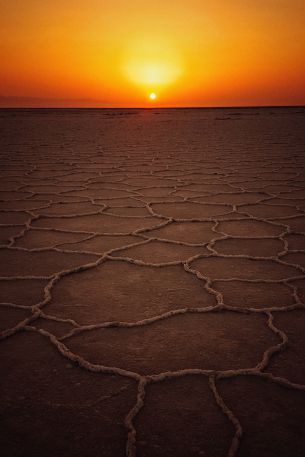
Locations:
(116, 52)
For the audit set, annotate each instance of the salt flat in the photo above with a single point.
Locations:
(152, 282)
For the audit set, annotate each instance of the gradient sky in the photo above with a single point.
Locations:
(116, 52)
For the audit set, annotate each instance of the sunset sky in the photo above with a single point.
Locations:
(116, 53)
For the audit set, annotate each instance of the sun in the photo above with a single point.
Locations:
(152, 96)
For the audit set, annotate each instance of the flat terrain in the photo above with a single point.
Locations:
(152, 283)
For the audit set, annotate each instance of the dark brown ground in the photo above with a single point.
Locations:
(152, 283)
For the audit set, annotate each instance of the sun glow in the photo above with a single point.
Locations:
(146, 72)
(151, 64)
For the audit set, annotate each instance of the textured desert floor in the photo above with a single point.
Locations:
(152, 283)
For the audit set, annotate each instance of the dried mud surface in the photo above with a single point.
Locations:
(152, 283)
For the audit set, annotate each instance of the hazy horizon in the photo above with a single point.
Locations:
(55, 103)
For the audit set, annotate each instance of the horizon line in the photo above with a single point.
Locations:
(150, 107)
